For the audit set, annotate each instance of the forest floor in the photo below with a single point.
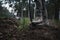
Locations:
(9, 31)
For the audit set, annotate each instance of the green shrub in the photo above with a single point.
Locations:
(4, 13)
(24, 23)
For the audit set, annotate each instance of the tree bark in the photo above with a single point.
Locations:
(56, 11)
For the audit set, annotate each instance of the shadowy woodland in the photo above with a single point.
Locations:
(18, 20)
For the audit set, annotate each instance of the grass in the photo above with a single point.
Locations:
(24, 23)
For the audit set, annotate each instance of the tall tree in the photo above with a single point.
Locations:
(53, 9)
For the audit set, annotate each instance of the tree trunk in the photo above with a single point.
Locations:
(57, 13)
(30, 11)
(44, 11)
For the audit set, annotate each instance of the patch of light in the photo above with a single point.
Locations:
(14, 1)
(17, 17)
(37, 20)
(17, 2)
(20, 0)
(0, 0)
(10, 9)
(15, 13)
(3, 5)
(46, 0)
(28, 1)
(11, 2)
(24, 9)
(33, 0)
(7, 5)
(3, 1)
